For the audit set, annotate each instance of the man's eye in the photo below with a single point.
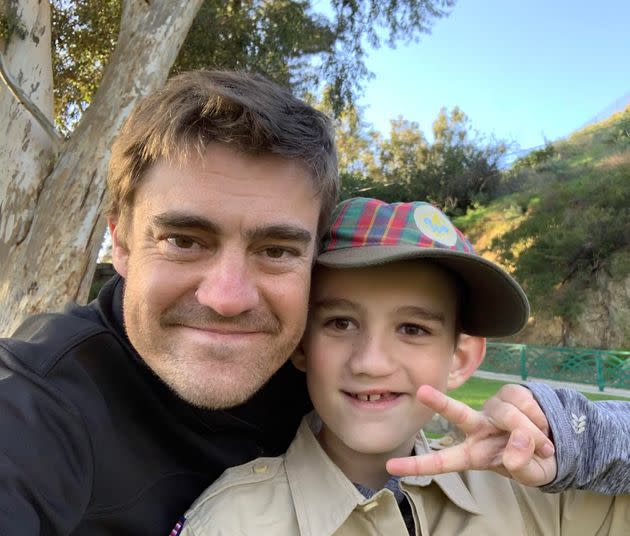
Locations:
(275, 252)
(181, 242)
(280, 252)
(412, 329)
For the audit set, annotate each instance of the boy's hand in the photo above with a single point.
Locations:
(509, 436)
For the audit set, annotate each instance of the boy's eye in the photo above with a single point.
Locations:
(341, 324)
(412, 329)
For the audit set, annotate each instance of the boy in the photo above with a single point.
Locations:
(395, 289)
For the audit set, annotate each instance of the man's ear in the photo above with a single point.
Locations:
(120, 253)
(468, 356)
(298, 358)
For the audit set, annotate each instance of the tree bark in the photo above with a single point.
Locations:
(50, 205)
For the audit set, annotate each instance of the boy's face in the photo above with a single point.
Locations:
(374, 336)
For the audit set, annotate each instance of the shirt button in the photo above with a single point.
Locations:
(261, 468)
(370, 506)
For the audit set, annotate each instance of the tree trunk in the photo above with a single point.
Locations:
(50, 224)
(26, 151)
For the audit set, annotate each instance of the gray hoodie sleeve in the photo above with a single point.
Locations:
(592, 440)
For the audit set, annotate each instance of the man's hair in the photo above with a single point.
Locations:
(244, 111)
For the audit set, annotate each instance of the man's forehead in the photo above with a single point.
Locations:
(216, 158)
(272, 195)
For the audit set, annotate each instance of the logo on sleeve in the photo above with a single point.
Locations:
(578, 423)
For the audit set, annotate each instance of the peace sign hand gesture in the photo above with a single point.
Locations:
(510, 435)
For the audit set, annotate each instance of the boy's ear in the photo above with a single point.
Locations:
(468, 356)
(298, 358)
(120, 253)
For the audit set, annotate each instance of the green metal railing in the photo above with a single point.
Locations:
(603, 368)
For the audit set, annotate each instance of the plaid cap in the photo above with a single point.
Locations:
(368, 232)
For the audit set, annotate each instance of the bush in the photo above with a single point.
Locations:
(535, 158)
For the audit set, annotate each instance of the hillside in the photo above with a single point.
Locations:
(563, 228)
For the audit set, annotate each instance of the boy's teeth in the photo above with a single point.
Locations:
(369, 398)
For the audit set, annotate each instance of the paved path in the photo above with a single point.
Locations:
(583, 387)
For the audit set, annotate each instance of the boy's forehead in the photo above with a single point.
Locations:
(415, 277)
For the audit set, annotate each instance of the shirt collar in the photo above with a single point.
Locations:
(315, 480)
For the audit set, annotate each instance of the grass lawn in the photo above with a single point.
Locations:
(477, 390)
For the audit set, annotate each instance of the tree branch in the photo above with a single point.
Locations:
(30, 106)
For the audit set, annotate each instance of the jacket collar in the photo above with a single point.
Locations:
(271, 415)
(315, 480)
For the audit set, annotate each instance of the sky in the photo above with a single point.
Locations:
(523, 71)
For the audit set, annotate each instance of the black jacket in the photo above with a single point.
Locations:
(93, 443)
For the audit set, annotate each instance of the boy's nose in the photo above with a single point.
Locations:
(372, 358)
(229, 286)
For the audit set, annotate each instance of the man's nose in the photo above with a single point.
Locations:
(229, 286)
(372, 357)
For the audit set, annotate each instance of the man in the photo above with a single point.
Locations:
(115, 415)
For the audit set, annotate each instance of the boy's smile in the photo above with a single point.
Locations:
(374, 336)
(379, 401)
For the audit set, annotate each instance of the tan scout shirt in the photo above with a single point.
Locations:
(304, 493)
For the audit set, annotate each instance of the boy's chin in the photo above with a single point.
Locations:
(384, 447)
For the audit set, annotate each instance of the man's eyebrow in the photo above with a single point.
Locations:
(182, 220)
(422, 312)
(292, 233)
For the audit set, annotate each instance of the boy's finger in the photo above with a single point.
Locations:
(427, 464)
(457, 413)
(519, 461)
(518, 452)
(506, 416)
(452, 459)
(523, 399)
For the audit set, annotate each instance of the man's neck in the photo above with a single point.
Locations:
(367, 469)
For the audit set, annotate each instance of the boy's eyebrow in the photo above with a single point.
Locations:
(334, 303)
(423, 312)
(408, 310)
(183, 220)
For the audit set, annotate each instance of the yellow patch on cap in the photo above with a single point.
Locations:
(434, 224)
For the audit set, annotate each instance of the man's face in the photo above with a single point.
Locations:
(217, 262)
(374, 336)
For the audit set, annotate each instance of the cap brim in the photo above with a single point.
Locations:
(495, 305)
